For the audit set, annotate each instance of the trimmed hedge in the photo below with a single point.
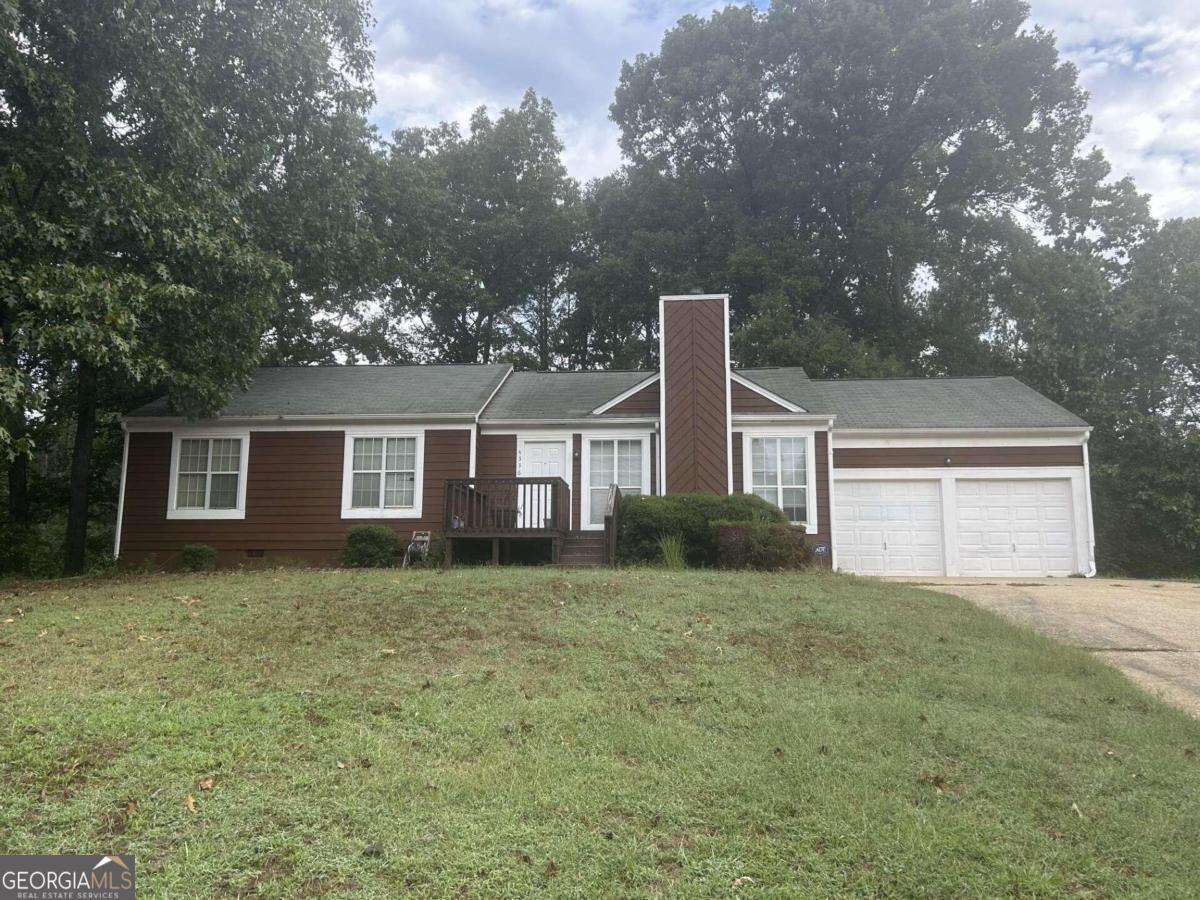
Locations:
(371, 547)
(198, 557)
(768, 546)
(691, 516)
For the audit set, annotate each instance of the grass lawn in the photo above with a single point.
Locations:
(482, 733)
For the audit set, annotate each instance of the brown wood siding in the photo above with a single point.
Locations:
(644, 403)
(293, 497)
(577, 488)
(821, 445)
(928, 457)
(496, 456)
(751, 402)
(695, 373)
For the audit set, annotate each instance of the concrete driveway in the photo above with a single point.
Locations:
(1150, 630)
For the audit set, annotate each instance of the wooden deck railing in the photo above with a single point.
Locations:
(506, 507)
(612, 524)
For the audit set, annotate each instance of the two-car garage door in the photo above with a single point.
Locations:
(962, 526)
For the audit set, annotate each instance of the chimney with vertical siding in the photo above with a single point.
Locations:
(694, 391)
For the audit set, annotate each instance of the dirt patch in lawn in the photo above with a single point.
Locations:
(801, 649)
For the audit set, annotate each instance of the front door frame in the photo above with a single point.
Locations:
(548, 437)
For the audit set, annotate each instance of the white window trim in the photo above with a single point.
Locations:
(353, 512)
(812, 526)
(239, 511)
(585, 471)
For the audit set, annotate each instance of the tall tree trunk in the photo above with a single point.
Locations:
(18, 490)
(81, 466)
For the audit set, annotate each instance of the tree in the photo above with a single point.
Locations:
(139, 141)
(482, 229)
(853, 153)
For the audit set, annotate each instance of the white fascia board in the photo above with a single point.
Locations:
(509, 426)
(750, 420)
(667, 298)
(763, 392)
(625, 395)
(298, 423)
(951, 437)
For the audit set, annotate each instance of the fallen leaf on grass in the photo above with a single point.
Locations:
(130, 807)
(743, 881)
(388, 651)
(1078, 811)
(362, 763)
(189, 803)
(524, 857)
(206, 783)
(551, 869)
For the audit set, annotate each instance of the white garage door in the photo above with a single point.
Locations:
(889, 527)
(1015, 527)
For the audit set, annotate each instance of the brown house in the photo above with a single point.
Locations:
(954, 476)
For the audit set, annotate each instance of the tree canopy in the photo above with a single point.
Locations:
(884, 187)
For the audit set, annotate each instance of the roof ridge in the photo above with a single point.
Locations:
(917, 378)
(330, 366)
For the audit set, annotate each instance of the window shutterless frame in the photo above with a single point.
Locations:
(588, 463)
(208, 477)
(749, 435)
(393, 450)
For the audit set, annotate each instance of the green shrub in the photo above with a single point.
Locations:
(371, 547)
(690, 516)
(673, 551)
(769, 546)
(198, 557)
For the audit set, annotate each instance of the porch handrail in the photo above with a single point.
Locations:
(612, 524)
(506, 505)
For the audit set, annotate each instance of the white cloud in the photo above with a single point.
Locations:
(1140, 62)
(440, 59)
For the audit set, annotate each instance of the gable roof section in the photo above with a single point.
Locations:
(976, 402)
(559, 396)
(788, 383)
(441, 391)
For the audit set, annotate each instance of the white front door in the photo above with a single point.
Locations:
(1020, 526)
(889, 527)
(540, 459)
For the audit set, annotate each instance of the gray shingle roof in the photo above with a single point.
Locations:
(979, 402)
(358, 391)
(559, 395)
(461, 390)
(789, 382)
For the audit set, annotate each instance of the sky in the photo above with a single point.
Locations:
(438, 60)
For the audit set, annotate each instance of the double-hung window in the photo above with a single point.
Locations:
(620, 462)
(208, 477)
(779, 473)
(382, 477)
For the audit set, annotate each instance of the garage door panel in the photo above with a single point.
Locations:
(889, 527)
(1028, 527)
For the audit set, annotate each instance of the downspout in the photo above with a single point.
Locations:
(121, 489)
(1087, 489)
(833, 564)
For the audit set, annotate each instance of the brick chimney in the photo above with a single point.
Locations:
(696, 452)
